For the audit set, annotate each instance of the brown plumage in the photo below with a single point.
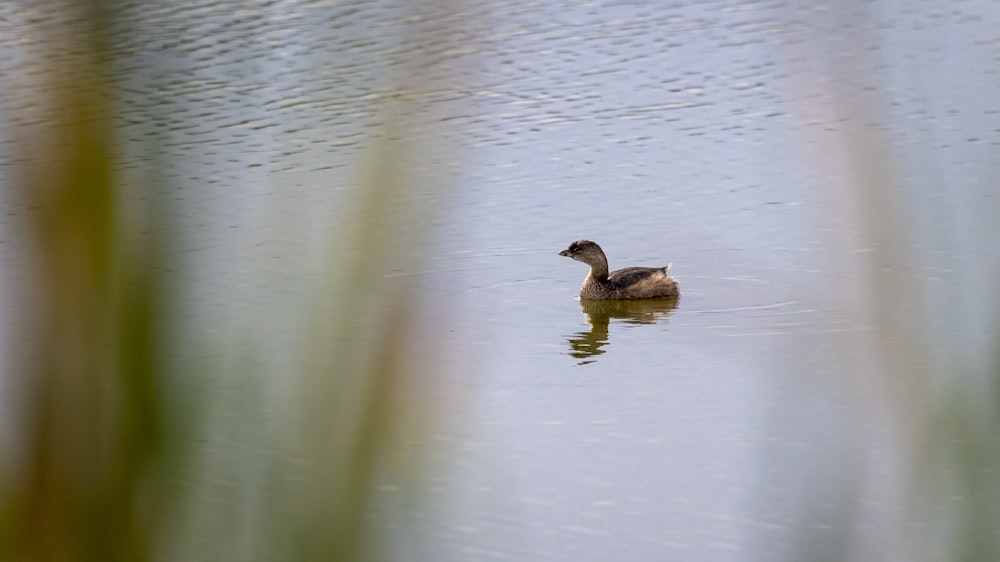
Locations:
(623, 284)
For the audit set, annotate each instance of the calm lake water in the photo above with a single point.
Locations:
(740, 141)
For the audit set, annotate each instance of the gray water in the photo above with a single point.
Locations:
(716, 136)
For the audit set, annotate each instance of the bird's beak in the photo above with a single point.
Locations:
(564, 253)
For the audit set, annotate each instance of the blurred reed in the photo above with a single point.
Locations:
(96, 436)
(922, 420)
(110, 457)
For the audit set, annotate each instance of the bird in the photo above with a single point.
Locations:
(623, 284)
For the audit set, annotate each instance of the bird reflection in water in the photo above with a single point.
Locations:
(588, 344)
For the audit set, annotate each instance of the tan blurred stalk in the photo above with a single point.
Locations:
(920, 442)
(85, 486)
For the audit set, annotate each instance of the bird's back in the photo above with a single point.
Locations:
(632, 283)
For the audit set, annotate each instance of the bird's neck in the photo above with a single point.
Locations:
(599, 269)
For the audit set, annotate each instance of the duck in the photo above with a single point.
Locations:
(623, 284)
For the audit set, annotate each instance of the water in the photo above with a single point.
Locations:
(710, 135)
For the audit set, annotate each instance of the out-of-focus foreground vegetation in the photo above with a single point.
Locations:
(924, 395)
(113, 444)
